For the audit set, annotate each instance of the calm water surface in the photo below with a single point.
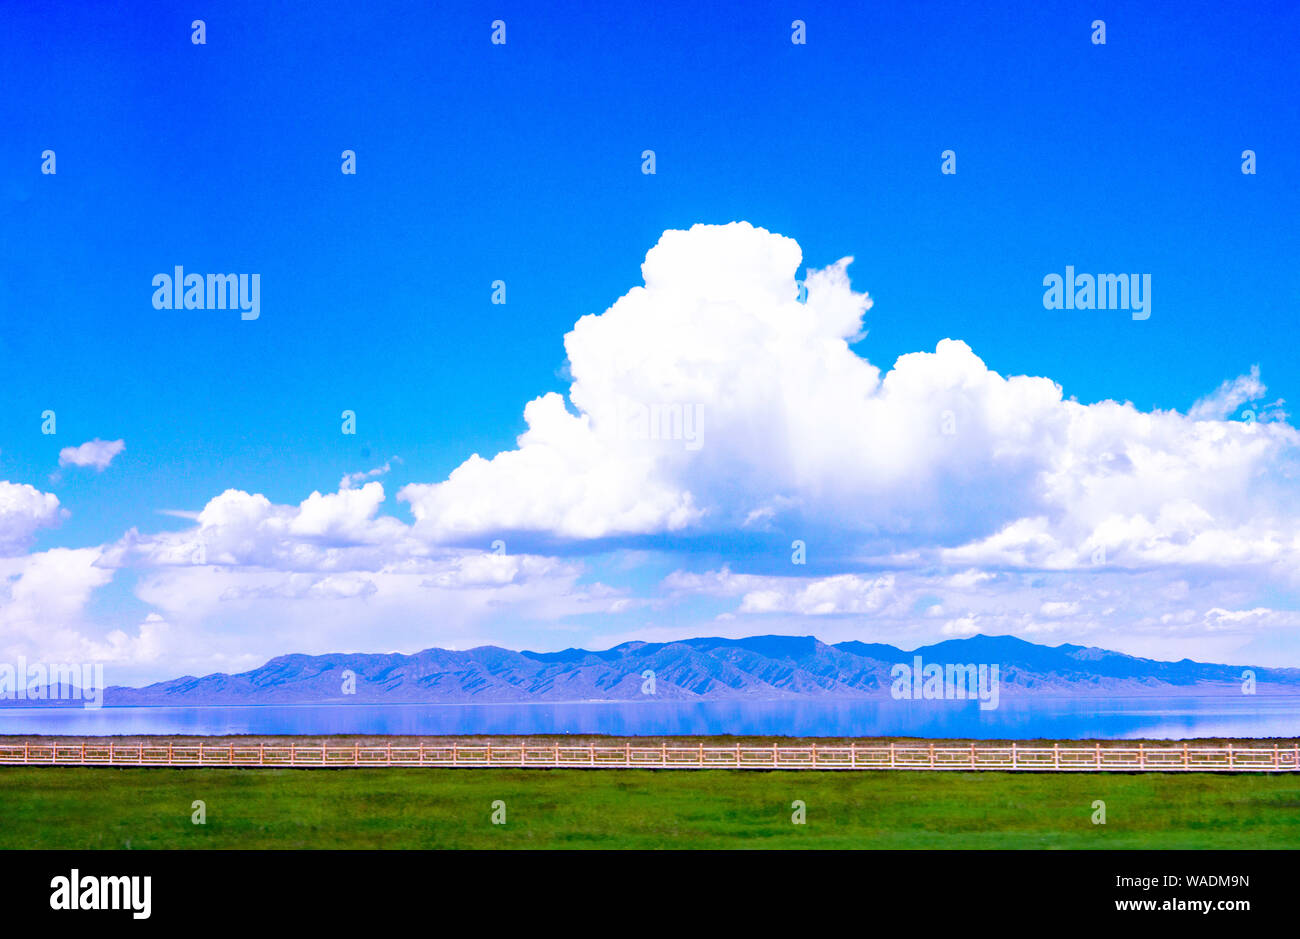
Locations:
(1107, 719)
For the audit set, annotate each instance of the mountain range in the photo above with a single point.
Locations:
(757, 668)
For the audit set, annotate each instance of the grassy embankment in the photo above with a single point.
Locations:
(65, 807)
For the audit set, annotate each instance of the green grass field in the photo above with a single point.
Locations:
(75, 808)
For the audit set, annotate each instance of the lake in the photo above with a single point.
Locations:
(1097, 718)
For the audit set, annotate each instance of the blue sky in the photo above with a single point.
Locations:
(522, 162)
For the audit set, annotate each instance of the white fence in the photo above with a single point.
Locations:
(864, 756)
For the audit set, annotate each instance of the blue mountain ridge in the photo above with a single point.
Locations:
(755, 668)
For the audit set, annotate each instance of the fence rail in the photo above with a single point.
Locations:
(865, 756)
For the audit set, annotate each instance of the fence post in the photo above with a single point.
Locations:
(931, 756)
(663, 756)
(1230, 755)
(737, 755)
(891, 755)
(701, 754)
(775, 756)
(853, 755)
(1275, 762)
(1014, 763)
(1098, 754)
(1056, 756)
(1142, 756)
(814, 754)
(972, 755)
(1186, 756)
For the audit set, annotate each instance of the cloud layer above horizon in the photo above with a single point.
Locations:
(720, 421)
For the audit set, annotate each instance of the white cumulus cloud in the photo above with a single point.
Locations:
(712, 411)
(939, 459)
(23, 510)
(97, 453)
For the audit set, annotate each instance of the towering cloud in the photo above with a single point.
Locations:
(939, 457)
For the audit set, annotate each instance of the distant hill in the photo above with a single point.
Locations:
(757, 668)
